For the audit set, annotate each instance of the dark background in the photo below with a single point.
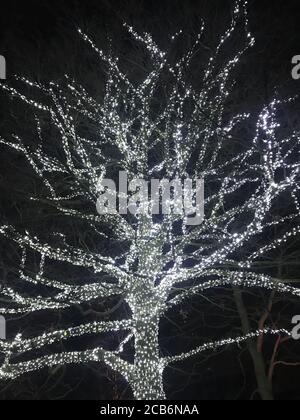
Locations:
(39, 40)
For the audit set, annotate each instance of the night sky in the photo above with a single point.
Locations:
(39, 40)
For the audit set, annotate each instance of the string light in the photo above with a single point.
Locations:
(154, 274)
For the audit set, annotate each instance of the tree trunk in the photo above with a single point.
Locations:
(264, 386)
(148, 368)
(145, 304)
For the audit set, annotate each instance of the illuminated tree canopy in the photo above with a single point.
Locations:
(162, 126)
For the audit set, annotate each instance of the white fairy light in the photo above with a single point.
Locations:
(150, 279)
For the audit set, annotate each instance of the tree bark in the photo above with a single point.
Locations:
(264, 386)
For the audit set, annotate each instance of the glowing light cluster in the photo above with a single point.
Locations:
(189, 133)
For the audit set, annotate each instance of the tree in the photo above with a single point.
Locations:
(164, 125)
